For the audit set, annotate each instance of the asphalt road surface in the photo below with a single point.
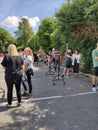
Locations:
(69, 106)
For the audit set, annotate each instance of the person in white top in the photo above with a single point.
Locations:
(28, 66)
(75, 62)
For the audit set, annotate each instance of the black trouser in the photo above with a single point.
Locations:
(76, 68)
(29, 76)
(10, 91)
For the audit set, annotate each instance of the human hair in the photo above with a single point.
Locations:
(97, 44)
(29, 52)
(12, 50)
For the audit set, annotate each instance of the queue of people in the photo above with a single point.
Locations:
(71, 61)
(14, 65)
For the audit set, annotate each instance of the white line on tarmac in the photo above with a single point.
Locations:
(53, 97)
(45, 98)
(56, 97)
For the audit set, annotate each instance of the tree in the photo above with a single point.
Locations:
(5, 40)
(24, 33)
(44, 33)
(78, 24)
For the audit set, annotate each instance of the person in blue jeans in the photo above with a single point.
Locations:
(28, 67)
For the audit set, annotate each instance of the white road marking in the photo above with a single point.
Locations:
(56, 97)
(45, 98)
(53, 97)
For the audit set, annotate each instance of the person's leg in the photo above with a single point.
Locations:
(68, 72)
(77, 69)
(9, 92)
(29, 83)
(68, 68)
(18, 90)
(53, 61)
(94, 79)
(65, 68)
(64, 71)
(24, 85)
(94, 83)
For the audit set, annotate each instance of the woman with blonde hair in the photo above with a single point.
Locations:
(12, 63)
(28, 67)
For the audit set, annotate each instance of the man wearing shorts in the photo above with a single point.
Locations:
(68, 62)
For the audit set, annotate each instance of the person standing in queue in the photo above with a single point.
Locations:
(76, 57)
(95, 69)
(28, 67)
(68, 63)
(13, 63)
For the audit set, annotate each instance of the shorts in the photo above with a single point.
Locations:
(68, 64)
(96, 71)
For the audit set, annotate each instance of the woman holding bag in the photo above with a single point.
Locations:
(28, 67)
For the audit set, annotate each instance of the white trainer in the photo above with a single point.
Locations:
(97, 87)
(94, 89)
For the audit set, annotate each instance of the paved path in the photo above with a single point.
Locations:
(72, 106)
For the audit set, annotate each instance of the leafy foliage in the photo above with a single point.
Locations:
(5, 40)
(78, 23)
(45, 33)
(24, 33)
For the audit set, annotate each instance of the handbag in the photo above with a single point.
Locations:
(30, 72)
(17, 75)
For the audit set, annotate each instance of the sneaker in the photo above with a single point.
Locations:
(62, 76)
(94, 89)
(25, 94)
(18, 104)
(8, 106)
(30, 95)
(97, 86)
(68, 76)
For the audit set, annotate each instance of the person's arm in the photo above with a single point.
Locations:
(68, 56)
(25, 67)
(4, 63)
(96, 58)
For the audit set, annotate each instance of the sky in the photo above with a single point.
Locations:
(35, 11)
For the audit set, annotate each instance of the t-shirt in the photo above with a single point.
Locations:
(28, 60)
(67, 59)
(11, 64)
(76, 57)
(57, 56)
(95, 54)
